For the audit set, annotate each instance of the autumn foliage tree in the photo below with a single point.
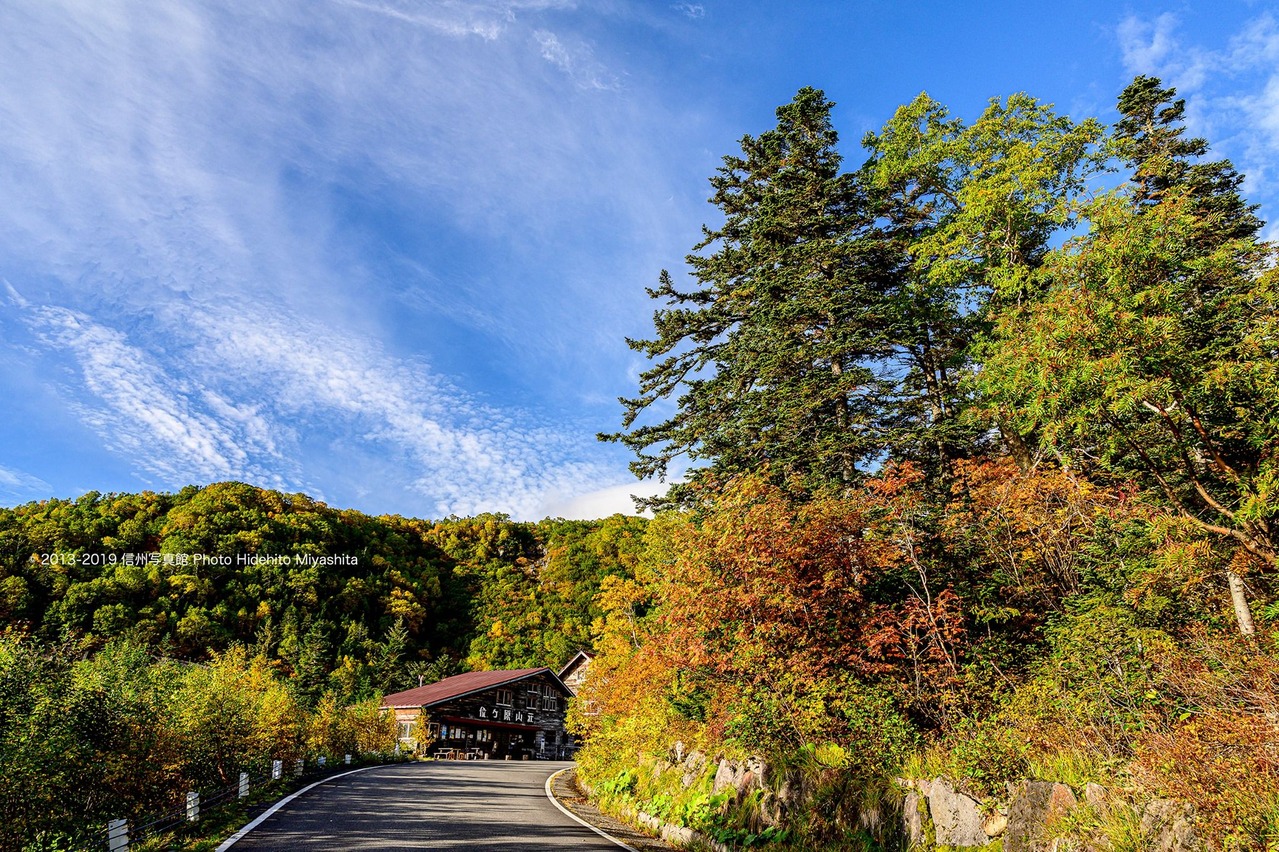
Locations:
(763, 604)
(980, 433)
(1152, 355)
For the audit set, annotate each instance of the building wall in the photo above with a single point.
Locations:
(403, 717)
(573, 679)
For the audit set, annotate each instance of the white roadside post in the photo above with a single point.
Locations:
(118, 835)
(244, 784)
(277, 769)
(297, 767)
(348, 760)
(193, 806)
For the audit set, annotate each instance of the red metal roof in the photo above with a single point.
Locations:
(457, 686)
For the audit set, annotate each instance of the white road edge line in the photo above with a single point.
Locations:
(574, 816)
(239, 835)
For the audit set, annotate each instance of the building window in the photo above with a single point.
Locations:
(533, 700)
(551, 700)
(406, 730)
(505, 698)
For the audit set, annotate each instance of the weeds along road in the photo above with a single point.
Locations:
(485, 805)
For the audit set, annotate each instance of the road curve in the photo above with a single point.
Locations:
(493, 806)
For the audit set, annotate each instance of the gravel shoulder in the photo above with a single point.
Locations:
(566, 790)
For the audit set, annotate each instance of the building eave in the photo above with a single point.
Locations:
(568, 693)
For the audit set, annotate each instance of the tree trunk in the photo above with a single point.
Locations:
(1016, 444)
(936, 399)
(841, 421)
(1239, 597)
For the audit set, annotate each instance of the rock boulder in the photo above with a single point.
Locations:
(1035, 806)
(1169, 826)
(957, 818)
(914, 810)
(739, 777)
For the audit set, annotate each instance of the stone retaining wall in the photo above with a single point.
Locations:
(933, 813)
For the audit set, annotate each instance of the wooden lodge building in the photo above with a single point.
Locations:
(499, 714)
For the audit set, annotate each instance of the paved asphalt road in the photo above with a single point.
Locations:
(494, 806)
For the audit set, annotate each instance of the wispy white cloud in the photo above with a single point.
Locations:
(18, 486)
(1254, 50)
(460, 455)
(219, 400)
(611, 500)
(487, 19)
(1151, 46)
(170, 427)
(577, 60)
(1257, 44)
(1262, 111)
(177, 179)
(552, 51)
(1232, 90)
(467, 455)
(470, 23)
(691, 10)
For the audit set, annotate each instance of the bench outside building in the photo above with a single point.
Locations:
(488, 715)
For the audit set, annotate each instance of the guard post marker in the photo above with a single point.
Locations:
(239, 835)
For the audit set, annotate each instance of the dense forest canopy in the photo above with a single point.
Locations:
(158, 643)
(337, 600)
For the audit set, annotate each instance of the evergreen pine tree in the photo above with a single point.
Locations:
(1150, 140)
(769, 352)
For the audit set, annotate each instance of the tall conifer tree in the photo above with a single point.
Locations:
(767, 353)
(1149, 138)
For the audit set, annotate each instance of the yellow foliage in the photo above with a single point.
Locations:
(234, 713)
(329, 730)
(372, 728)
(404, 604)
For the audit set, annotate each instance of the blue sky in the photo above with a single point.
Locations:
(386, 251)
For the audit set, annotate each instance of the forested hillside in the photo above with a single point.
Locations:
(985, 436)
(337, 600)
(158, 643)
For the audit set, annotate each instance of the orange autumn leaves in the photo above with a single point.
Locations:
(764, 585)
(768, 593)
